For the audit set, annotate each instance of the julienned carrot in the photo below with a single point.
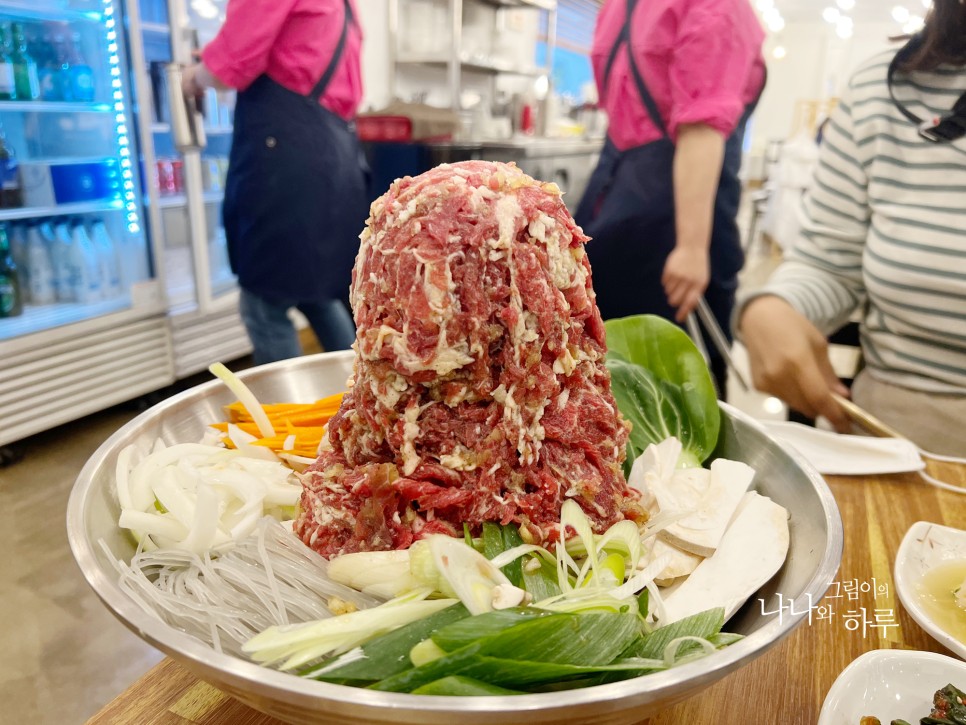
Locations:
(305, 441)
(320, 409)
(299, 427)
(249, 428)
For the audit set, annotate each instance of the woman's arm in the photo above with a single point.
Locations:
(818, 287)
(196, 78)
(715, 58)
(789, 358)
(698, 156)
(239, 53)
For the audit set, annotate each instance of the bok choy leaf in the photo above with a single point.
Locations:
(663, 386)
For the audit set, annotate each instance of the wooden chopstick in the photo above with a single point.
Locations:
(866, 420)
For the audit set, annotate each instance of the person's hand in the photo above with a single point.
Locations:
(686, 276)
(193, 81)
(789, 359)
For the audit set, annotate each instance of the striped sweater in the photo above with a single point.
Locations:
(884, 231)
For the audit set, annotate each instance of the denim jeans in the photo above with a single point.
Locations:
(273, 335)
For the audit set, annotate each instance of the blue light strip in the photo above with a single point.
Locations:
(129, 197)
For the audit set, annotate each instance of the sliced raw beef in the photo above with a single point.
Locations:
(479, 391)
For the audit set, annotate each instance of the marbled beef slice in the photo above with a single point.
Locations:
(479, 389)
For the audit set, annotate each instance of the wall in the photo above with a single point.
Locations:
(818, 65)
(373, 16)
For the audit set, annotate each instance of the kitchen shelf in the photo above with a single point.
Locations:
(54, 107)
(43, 317)
(34, 10)
(540, 4)
(458, 60)
(210, 130)
(175, 200)
(156, 28)
(80, 207)
(63, 160)
(475, 65)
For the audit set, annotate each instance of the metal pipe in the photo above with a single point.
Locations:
(456, 51)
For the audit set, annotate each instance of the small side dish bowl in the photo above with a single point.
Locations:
(814, 555)
(925, 546)
(889, 684)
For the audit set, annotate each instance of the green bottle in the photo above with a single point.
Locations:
(25, 73)
(11, 293)
(8, 88)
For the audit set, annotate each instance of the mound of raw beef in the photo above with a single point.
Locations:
(479, 391)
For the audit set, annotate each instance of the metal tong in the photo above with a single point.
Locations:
(856, 414)
(717, 336)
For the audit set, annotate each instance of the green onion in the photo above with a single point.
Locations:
(245, 397)
(299, 644)
(702, 625)
(388, 654)
(462, 687)
(466, 631)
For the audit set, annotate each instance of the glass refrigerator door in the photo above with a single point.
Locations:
(70, 213)
(190, 186)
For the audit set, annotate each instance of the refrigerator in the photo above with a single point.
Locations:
(84, 317)
(185, 190)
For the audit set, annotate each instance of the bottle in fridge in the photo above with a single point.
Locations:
(108, 260)
(58, 246)
(131, 256)
(40, 268)
(25, 76)
(49, 55)
(90, 287)
(8, 88)
(11, 193)
(18, 247)
(11, 293)
(80, 76)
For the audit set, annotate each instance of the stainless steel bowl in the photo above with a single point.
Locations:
(813, 559)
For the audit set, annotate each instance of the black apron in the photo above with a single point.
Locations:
(295, 196)
(628, 211)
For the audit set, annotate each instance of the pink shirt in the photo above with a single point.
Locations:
(292, 41)
(701, 61)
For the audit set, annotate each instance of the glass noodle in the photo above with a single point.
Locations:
(269, 578)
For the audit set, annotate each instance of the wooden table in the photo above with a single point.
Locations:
(790, 679)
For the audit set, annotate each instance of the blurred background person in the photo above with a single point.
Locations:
(678, 79)
(883, 235)
(295, 197)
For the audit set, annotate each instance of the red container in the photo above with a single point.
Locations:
(526, 119)
(165, 177)
(177, 167)
(384, 128)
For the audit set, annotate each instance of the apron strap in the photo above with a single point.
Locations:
(624, 39)
(316, 93)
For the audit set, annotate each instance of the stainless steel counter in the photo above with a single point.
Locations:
(566, 162)
(527, 145)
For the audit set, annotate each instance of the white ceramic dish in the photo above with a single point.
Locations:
(890, 684)
(924, 546)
